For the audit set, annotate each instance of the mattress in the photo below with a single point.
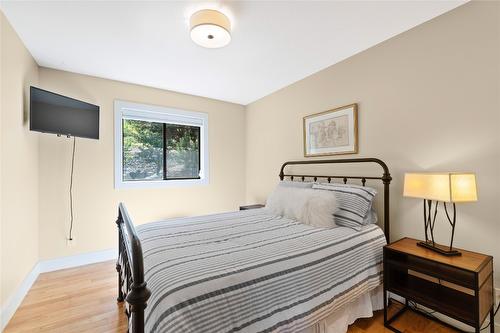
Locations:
(250, 271)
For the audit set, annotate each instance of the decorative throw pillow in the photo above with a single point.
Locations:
(371, 218)
(299, 184)
(308, 206)
(354, 204)
(319, 209)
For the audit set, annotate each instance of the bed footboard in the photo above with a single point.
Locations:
(130, 267)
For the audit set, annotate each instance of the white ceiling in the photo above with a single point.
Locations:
(274, 43)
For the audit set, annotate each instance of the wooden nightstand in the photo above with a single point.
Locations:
(459, 287)
(247, 207)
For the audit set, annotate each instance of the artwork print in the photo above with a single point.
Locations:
(331, 132)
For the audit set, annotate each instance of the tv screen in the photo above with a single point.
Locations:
(57, 114)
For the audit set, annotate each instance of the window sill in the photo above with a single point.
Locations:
(161, 183)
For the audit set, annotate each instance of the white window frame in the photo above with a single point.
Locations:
(153, 113)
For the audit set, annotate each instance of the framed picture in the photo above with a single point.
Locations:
(332, 132)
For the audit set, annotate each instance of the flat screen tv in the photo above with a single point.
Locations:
(57, 114)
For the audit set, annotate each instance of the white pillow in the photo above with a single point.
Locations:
(299, 184)
(308, 206)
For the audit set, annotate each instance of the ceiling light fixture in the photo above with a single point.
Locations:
(210, 28)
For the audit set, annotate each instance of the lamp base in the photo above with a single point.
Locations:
(441, 249)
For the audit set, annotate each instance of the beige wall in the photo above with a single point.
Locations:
(428, 100)
(96, 200)
(19, 164)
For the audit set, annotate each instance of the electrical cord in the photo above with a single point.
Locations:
(494, 315)
(416, 307)
(71, 190)
(430, 314)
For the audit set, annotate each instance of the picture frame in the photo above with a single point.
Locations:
(331, 132)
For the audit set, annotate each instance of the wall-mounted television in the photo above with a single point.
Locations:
(57, 114)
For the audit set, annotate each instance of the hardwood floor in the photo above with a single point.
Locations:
(83, 299)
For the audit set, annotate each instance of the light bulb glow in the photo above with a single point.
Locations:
(446, 187)
(210, 28)
(210, 36)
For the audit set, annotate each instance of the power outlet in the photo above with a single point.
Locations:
(70, 242)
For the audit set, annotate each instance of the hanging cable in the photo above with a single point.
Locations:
(431, 314)
(71, 191)
(494, 315)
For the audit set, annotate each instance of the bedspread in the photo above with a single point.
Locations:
(250, 271)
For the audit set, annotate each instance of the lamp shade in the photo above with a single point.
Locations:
(210, 28)
(447, 187)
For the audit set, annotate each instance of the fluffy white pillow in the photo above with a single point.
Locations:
(308, 206)
(291, 183)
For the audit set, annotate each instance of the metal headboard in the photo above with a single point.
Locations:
(385, 178)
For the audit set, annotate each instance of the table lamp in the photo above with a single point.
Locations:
(435, 188)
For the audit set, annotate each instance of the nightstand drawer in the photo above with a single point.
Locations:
(452, 274)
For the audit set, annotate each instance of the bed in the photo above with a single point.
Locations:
(251, 271)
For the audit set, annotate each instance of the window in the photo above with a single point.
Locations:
(157, 146)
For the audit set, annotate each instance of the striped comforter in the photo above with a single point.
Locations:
(250, 271)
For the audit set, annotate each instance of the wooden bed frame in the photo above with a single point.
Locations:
(130, 264)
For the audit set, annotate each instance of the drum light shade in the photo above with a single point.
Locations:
(210, 28)
(445, 187)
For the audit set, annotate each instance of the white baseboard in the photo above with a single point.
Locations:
(15, 300)
(77, 260)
